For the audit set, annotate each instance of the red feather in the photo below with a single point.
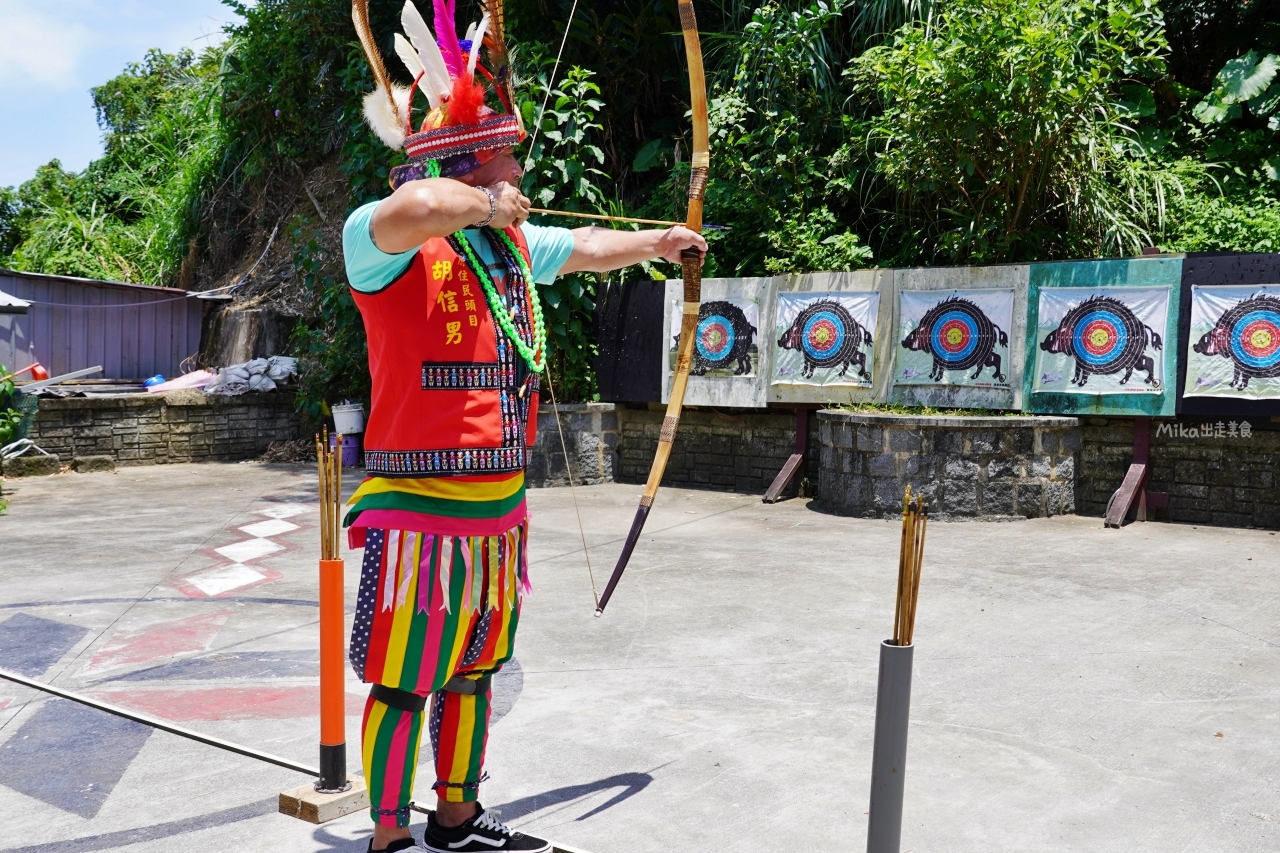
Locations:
(466, 102)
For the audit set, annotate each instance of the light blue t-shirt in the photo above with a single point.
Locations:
(369, 269)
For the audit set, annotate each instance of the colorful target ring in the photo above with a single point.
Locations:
(954, 337)
(823, 335)
(1255, 339)
(715, 338)
(1100, 338)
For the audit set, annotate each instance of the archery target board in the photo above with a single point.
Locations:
(725, 342)
(1098, 341)
(957, 337)
(729, 366)
(1233, 349)
(825, 339)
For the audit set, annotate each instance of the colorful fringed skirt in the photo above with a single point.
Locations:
(426, 600)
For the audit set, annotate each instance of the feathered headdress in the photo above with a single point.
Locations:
(460, 131)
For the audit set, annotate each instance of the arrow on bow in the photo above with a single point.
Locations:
(691, 261)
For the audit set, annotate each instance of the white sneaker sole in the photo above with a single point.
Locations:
(426, 845)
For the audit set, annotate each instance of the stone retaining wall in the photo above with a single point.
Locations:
(738, 451)
(992, 467)
(1217, 477)
(591, 436)
(179, 426)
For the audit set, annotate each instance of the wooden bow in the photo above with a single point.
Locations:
(691, 261)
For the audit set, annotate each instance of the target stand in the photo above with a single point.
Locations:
(795, 462)
(1133, 494)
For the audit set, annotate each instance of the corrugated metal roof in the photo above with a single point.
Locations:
(92, 282)
(12, 304)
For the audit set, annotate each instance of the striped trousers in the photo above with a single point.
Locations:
(430, 608)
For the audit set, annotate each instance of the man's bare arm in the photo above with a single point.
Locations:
(437, 207)
(604, 249)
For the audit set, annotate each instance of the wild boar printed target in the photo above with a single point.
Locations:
(1104, 334)
(829, 336)
(825, 338)
(955, 337)
(1101, 340)
(715, 339)
(1234, 346)
(724, 341)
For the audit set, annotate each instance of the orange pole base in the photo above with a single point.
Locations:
(333, 711)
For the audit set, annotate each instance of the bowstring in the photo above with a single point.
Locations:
(555, 407)
(568, 469)
(542, 111)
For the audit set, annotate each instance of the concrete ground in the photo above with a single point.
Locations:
(1075, 688)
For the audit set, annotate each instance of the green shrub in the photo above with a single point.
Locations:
(9, 417)
(1002, 123)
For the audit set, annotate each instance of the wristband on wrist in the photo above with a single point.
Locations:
(493, 207)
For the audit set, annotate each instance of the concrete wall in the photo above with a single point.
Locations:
(991, 467)
(591, 437)
(738, 452)
(180, 426)
(1223, 480)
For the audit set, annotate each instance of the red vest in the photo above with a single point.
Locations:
(451, 395)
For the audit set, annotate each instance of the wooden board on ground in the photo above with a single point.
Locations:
(305, 803)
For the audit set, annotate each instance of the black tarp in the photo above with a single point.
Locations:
(629, 336)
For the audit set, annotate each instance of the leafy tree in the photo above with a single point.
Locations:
(1246, 81)
(10, 232)
(1004, 127)
(561, 173)
(130, 214)
(779, 146)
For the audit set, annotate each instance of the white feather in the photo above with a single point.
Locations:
(471, 31)
(409, 56)
(386, 121)
(475, 45)
(413, 62)
(437, 73)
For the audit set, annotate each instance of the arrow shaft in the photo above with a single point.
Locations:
(603, 218)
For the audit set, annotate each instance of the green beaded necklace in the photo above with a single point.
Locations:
(535, 356)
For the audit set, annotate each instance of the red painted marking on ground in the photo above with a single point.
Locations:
(4, 703)
(162, 640)
(227, 703)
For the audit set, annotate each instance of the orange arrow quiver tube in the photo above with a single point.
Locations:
(333, 712)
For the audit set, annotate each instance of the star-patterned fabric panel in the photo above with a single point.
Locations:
(431, 607)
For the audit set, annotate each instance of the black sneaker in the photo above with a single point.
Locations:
(484, 832)
(396, 846)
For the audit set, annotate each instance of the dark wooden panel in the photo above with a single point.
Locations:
(629, 336)
(1205, 269)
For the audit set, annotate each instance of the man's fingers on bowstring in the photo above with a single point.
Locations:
(512, 207)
